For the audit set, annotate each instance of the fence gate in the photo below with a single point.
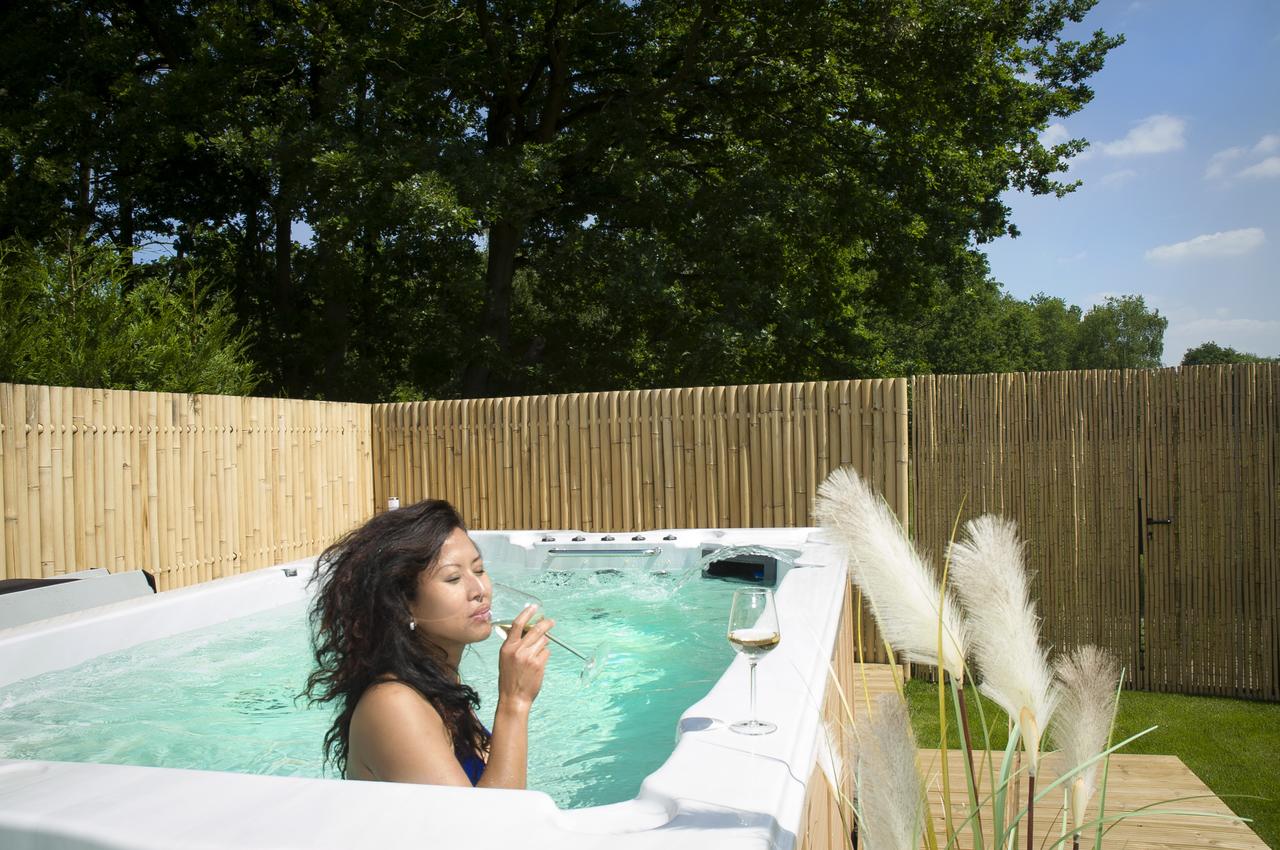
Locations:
(1209, 523)
(1148, 500)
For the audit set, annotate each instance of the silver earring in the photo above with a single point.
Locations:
(413, 624)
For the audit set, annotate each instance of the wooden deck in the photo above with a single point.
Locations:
(1135, 781)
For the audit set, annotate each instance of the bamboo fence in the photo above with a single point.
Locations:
(742, 457)
(187, 487)
(1091, 465)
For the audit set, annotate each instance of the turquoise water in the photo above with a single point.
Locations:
(223, 697)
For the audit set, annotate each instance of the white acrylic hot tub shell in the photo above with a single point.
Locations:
(717, 789)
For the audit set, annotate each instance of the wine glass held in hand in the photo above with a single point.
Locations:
(753, 631)
(507, 603)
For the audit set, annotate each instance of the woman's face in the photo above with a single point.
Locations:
(452, 606)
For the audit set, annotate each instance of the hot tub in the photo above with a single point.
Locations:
(716, 788)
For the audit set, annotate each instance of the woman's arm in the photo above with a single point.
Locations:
(521, 663)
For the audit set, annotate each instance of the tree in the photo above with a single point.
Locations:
(1057, 329)
(776, 162)
(1209, 353)
(538, 195)
(82, 317)
(978, 329)
(1120, 334)
(983, 329)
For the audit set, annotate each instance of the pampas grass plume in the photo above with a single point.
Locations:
(902, 590)
(988, 573)
(1088, 681)
(890, 792)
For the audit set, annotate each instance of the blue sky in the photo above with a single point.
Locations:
(1181, 195)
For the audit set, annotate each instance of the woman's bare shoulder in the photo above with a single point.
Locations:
(395, 701)
(397, 735)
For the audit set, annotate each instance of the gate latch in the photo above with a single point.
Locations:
(1165, 521)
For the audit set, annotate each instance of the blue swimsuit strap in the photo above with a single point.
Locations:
(472, 764)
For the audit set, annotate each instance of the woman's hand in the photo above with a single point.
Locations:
(522, 660)
(521, 663)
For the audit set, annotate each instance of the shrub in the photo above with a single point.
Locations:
(81, 315)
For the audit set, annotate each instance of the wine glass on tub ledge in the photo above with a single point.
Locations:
(753, 632)
(506, 603)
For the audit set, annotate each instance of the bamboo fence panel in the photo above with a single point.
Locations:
(1211, 572)
(1048, 451)
(187, 487)
(747, 456)
(1148, 500)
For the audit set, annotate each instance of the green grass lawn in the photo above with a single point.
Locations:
(1232, 745)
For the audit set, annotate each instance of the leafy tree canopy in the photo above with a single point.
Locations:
(1210, 353)
(1121, 333)
(535, 195)
(983, 329)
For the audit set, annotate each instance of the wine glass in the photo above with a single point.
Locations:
(753, 631)
(506, 603)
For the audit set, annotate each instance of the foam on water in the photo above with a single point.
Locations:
(225, 697)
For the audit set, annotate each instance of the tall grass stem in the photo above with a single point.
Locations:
(971, 777)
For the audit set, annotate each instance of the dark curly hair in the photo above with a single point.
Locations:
(360, 616)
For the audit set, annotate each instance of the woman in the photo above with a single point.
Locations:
(398, 599)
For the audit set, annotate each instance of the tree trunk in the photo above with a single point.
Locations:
(284, 251)
(282, 294)
(504, 241)
(252, 229)
(247, 289)
(333, 280)
(505, 128)
(84, 198)
(125, 239)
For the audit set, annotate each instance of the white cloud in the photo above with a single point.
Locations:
(1115, 178)
(1054, 134)
(1269, 167)
(1220, 161)
(1267, 144)
(1230, 243)
(1155, 134)
(1225, 163)
(1222, 324)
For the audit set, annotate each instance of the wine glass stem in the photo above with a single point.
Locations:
(753, 691)
(560, 643)
(556, 641)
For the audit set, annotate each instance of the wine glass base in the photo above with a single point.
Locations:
(753, 727)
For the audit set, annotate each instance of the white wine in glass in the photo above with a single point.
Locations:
(754, 632)
(507, 603)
